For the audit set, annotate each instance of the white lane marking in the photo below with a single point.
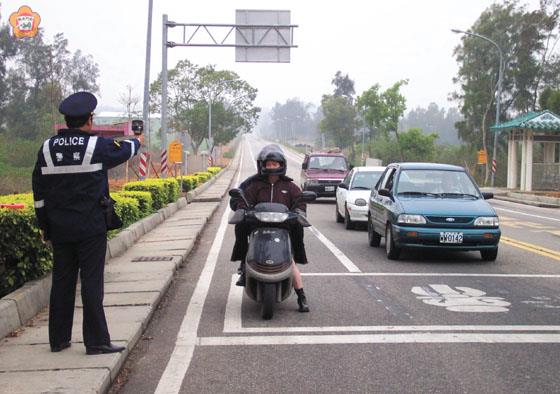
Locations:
(549, 276)
(460, 299)
(380, 338)
(232, 321)
(526, 214)
(178, 364)
(260, 330)
(350, 266)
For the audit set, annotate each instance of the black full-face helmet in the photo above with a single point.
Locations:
(271, 152)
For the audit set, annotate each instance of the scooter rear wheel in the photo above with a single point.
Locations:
(269, 299)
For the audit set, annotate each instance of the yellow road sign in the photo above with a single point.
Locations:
(482, 157)
(175, 151)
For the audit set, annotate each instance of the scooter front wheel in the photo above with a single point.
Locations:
(268, 300)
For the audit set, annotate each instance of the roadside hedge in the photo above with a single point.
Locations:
(190, 182)
(203, 176)
(23, 256)
(214, 170)
(145, 201)
(158, 190)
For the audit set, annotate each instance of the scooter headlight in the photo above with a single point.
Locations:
(271, 217)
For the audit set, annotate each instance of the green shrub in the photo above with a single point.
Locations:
(214, 170)
(23, 256)
(158, 190)
(172, 186)
(203, 176)
(190, 182)
(229, 154)
(128, 209)
(145, 201)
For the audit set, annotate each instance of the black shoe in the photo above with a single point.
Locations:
(241, 280)
(60, 347)
(103, 349)
(302, 301)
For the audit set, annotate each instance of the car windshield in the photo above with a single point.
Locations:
(327, 163)
(440, 183)
(365, 179)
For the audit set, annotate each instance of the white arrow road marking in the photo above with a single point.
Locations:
(463, 299)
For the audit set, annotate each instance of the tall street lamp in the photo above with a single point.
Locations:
(499, 94)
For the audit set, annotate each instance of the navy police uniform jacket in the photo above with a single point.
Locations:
(70, 179)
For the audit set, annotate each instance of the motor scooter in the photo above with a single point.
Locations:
(268, 263)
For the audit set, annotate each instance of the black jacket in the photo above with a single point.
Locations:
(70, 179)
(258, 189)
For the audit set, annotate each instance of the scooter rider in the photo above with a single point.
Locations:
(271, 184)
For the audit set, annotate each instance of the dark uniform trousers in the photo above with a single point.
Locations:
(88, 258)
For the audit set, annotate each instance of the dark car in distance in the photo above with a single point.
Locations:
(431, 206)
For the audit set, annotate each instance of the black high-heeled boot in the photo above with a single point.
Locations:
(302, 300)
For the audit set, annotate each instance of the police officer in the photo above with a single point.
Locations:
(70, 185)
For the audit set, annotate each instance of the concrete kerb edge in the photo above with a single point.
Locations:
(25, 303)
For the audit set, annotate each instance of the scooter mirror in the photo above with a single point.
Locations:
(235, 193)
(308, 196)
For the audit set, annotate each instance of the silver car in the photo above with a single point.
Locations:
(353, 193)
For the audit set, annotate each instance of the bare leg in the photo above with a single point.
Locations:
(296, 276)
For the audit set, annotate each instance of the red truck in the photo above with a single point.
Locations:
(321, 172)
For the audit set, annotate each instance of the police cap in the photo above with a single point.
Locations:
(78, 104)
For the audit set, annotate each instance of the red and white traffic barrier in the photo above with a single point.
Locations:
(143, 165)
(163, 168)
(494, 166)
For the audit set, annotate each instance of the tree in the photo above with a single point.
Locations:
(382, 110)
(340, 120)
(527, 40)
(191, 92)
(129, 101)
(550, 99)
(343, 86)
(434, 119)
(292, 120)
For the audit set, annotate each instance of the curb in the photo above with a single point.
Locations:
(26, 302)
(526, 202)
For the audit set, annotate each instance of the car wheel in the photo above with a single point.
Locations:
(339, 217)
(349, 224)
(392, 251)
(489, 254)
(374, 239)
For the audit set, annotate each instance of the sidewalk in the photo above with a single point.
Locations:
(141, 262)
(526, 198)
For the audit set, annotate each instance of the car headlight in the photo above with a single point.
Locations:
(487, 221)
(360, 202)
(271, 217)
(312, 182)
(411, 219)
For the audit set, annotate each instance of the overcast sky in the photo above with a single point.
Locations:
(372, 41)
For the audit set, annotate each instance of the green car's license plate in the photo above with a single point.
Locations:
(450, 238)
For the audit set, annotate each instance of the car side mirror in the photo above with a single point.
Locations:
(487, 195)
(303, 166)
(385, 192)
(343, 185)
